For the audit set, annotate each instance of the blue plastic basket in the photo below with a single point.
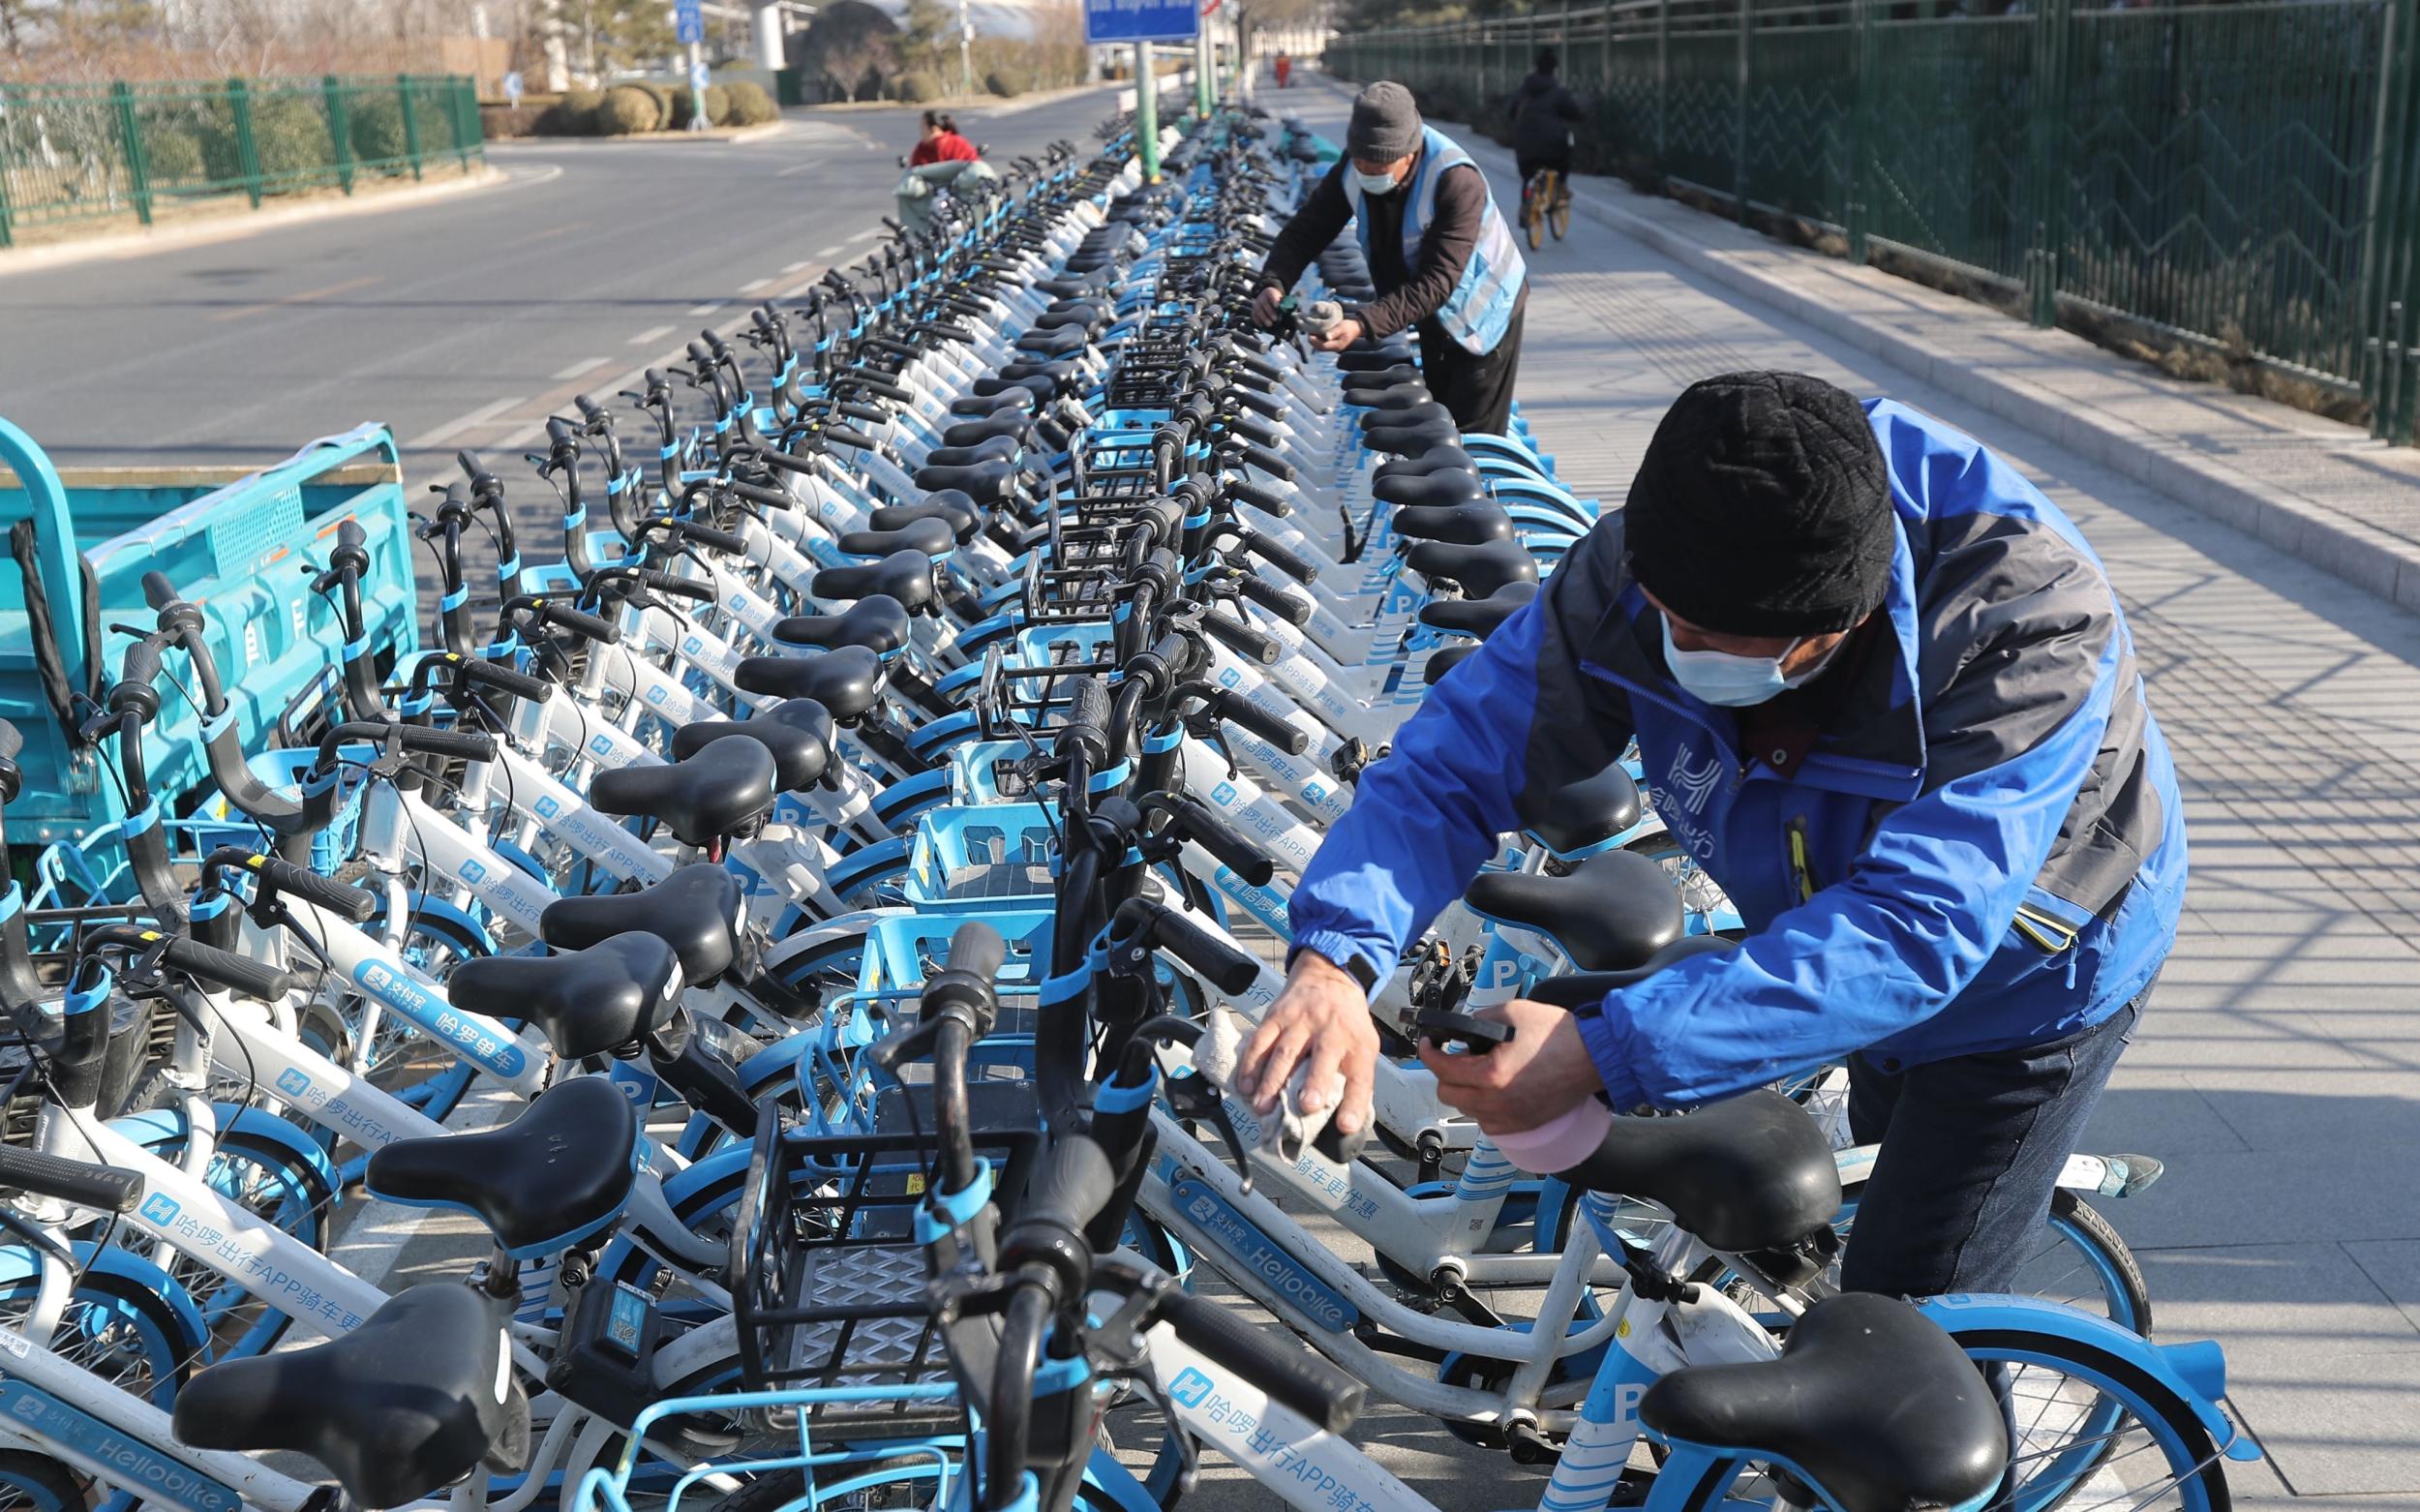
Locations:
(828, 1476)
(282, 772)
(981, 859)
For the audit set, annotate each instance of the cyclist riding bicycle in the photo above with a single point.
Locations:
(1543, 112)
(943, 159)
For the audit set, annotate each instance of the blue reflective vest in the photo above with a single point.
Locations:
(1480, 309)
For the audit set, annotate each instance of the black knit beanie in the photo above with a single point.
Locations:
(1763, 507)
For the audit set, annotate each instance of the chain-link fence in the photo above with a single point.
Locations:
(73, 152)
(2242, 179)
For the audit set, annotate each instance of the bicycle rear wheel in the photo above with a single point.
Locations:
(1533, 210)
(1558, 208)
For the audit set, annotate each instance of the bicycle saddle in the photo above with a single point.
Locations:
(983, 482)
(799, 754)
(1440, 663)
(1480, 569)
(1381, 377)
(1007, 401)
(1935, 1437)
(695, 911)
(1578, 989)
(1000, 448)
(1391, 404)
(1373, 359)
(550, 1178)
(845, 680)
(1753, 1172)
(1445, 456)
(1072, 315)
(948, 504)
(1012, 422)
(1588, 812)
(1424, 411)
(587, 1002)
(1611, 911)
(1469, 523)
(1477, 617)
(877, 621)
(402, 1406)
(1427, 489)
(1064, 342)
(1410, 441)
(721, 790)
(906, 576)
(932, 537)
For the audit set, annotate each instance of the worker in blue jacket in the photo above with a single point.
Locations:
(1884, 694)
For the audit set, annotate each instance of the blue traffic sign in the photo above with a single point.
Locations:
(1140, 21)
(687, 25)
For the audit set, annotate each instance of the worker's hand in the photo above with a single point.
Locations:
(1343, 333)
(1265, 306)
(1543, 1073)
(1321, 1020)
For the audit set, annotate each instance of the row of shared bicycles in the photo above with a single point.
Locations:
(744, 1021)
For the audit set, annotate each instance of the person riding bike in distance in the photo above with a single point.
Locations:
(938, 142)
(1543, 112)
(942, 159)
(1885, 695)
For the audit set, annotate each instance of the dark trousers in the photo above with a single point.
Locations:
(1971, 1152)
(1477, 390)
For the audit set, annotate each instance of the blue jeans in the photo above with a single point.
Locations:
(1972, 1148)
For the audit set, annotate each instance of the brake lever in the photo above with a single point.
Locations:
(1192, 1096)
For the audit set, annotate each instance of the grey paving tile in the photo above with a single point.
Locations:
(2257, 1297)
(2394, 1264)
(2334, 1422)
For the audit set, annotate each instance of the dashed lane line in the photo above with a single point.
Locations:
(456, 427)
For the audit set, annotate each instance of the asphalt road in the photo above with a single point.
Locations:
(464, 321)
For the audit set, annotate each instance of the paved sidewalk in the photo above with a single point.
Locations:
(2275, 1073)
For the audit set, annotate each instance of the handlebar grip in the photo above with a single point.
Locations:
(101, 1189)
(141, 662)
(894, 392)
(580, 622)
(759, 493)
(1240, 638)
(1087, 720)
(472, 467)
(506, 680)
(12, 740)
(559, 432)
(1211, 832)
(469, 745)
(711, 537)
(1288, 606)
(1290, 1374)
(1252, 720)
(976, 949)
(677, 588)
(301, 881)
(1252, 428)
(1218, 962)
(157, 591)
(848, 435)
(1270, 463)
(243, 977)
(350, 536)
(775, 457)
(1261, 497)
(866, 413)
(1076, 1182)
(1279, 557)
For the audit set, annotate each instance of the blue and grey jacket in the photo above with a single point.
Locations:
(1984, 848)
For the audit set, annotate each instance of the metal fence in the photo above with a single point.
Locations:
(2242, 177)
(72, 152)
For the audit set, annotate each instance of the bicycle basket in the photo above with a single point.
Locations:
(915, 1476)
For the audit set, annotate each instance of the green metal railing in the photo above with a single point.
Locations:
(2242, 177)
(71, 152)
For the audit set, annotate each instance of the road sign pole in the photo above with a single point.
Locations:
(1147, 112)
(1201, 71)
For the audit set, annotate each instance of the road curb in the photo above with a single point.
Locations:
(237, 225)
(717, 136)
(2367, 557)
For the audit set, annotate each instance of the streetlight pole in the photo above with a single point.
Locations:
(1146, 112)
(966, 52)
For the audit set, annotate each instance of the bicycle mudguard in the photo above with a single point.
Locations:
(420, 906)
(2096, 1175)
(159, 1126)
(19, 1263)
(2195, 1372)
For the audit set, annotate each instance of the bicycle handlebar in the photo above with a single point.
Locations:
(101, 1188)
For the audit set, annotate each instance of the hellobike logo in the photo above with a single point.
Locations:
(1190, 1388)
(548, 809)
(293, 1084)
(1224, 793)
(472, 871)
(160, 1208)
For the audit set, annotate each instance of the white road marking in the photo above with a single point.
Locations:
(520, 438)
(793, 267)
(578, 368)
(832, 251)
(456, 427)
(868, 235)
(653, 334)
(708, 308)
(754, 284)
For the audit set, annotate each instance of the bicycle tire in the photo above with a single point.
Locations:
(166, 1366)
(2069, 1209)
(1533, 214)
(49, 1486)
(1559, 214)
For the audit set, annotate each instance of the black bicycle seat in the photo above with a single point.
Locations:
(1750, 1173)
(1371, 359)
(1441, 489)
(878, 623)
(399, 1409)
(1083, 315)
(721, 790)
(1442, 458)
(1007, 401)
(1393, 401)
(1410, 441)
(846, 681)
(550, 1178)
(1064, 342)
(1425, 411)
(799, 755)
(696, 911)
(1012, 423)
(985, 482)
(1611, 911)
(1870, 1399)
(1440, 663)
(932, 537)
(1065, 287)
(948, 504)
(1478, 617)
(1480, 569)
(1588, 812)
(1000, 448)
(587, 1002)
(1381, 377)
(906, 576)
(1577, 989)
(1468, 524)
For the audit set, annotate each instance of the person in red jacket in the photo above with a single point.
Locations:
(940, 143)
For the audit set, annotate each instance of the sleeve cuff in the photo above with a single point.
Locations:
(1604, 1034)
(1347, 955)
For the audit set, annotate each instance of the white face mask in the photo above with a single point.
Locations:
(1729, 682)
(1376, 183)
